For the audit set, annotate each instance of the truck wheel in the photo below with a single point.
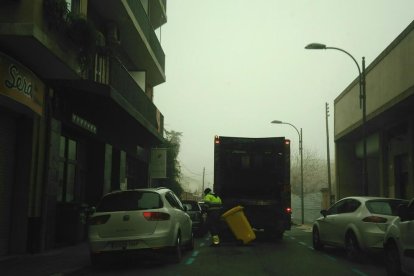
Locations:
(278, 236)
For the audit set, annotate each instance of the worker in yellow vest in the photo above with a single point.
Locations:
(214, 209)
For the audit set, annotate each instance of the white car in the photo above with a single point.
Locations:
(357, 224)
(399, 242)
(137, 221)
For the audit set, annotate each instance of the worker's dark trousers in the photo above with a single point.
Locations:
(213, 220)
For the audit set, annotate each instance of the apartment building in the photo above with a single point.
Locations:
(77, 117)
(389, 128)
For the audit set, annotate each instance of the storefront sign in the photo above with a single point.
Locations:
(83, 123)
(20, 84)
(158, 163)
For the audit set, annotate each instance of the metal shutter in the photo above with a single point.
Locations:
(7, 160)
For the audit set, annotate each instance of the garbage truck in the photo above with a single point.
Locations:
(255, 173)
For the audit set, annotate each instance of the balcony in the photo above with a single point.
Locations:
(124, 98)
(25, 35)
(134, 99)
(137, 37)
(158, 15)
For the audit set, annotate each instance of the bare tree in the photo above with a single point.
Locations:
(315, 172)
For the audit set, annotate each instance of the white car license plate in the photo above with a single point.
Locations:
(124, 244)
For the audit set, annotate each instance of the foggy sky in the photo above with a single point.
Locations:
(233, 66)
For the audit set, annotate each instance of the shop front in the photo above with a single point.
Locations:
(21, 120)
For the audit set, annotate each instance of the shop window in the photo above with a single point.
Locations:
(73, 6)
(101, 69)
(67, 170)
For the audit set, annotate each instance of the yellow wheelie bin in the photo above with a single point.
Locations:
(239, 225)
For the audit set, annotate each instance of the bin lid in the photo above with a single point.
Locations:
(232, 211)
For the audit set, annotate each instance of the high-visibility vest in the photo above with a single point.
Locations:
(213, 201)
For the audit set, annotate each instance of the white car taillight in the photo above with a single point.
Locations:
(156, 216)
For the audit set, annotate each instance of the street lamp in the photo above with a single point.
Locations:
(362, 104)
(301, 164)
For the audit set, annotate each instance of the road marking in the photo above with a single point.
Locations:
(189, 261)
(356, 271)
(330, 257)
(359, 272)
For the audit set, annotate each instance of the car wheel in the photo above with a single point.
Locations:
(176, 253)
(392, 259)
(353, 251)
(316, 239)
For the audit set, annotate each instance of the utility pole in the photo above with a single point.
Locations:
(202, 190)
(328, 155)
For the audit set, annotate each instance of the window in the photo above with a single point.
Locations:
(73, 6)
(180, 205)
(384, 207)
(174, 201)
(101, 69)
(335, 209)
(130, 201)
(67, 170)
(171, 200)
(344, 206)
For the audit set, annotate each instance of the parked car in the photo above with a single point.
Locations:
(357, 224)
(196, 214)
(140, 220)
(399, 242)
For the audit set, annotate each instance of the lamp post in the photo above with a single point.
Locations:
(301, 164)
(362, 105)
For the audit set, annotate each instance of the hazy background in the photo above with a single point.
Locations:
(233, 66)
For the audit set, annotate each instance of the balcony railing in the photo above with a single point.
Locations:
(142, 18)
(124, 84)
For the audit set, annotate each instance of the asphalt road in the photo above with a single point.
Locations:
(293, 255)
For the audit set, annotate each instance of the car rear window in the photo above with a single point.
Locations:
(129, 201)
(384, 207)
(191, 205)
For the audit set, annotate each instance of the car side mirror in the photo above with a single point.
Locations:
(402, 211)
(324, 213)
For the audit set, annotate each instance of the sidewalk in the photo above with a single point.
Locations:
(57, 262)
(307, 227)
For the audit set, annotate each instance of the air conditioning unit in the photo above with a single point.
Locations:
(112, 33)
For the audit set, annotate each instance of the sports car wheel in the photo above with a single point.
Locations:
(392, 259)
(176, 255)
(353, 251)
(316, 239)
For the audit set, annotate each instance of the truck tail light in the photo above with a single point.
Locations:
(288, 210)
(156, 216)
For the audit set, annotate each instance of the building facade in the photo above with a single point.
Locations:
(389, 128)
(77, 117)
